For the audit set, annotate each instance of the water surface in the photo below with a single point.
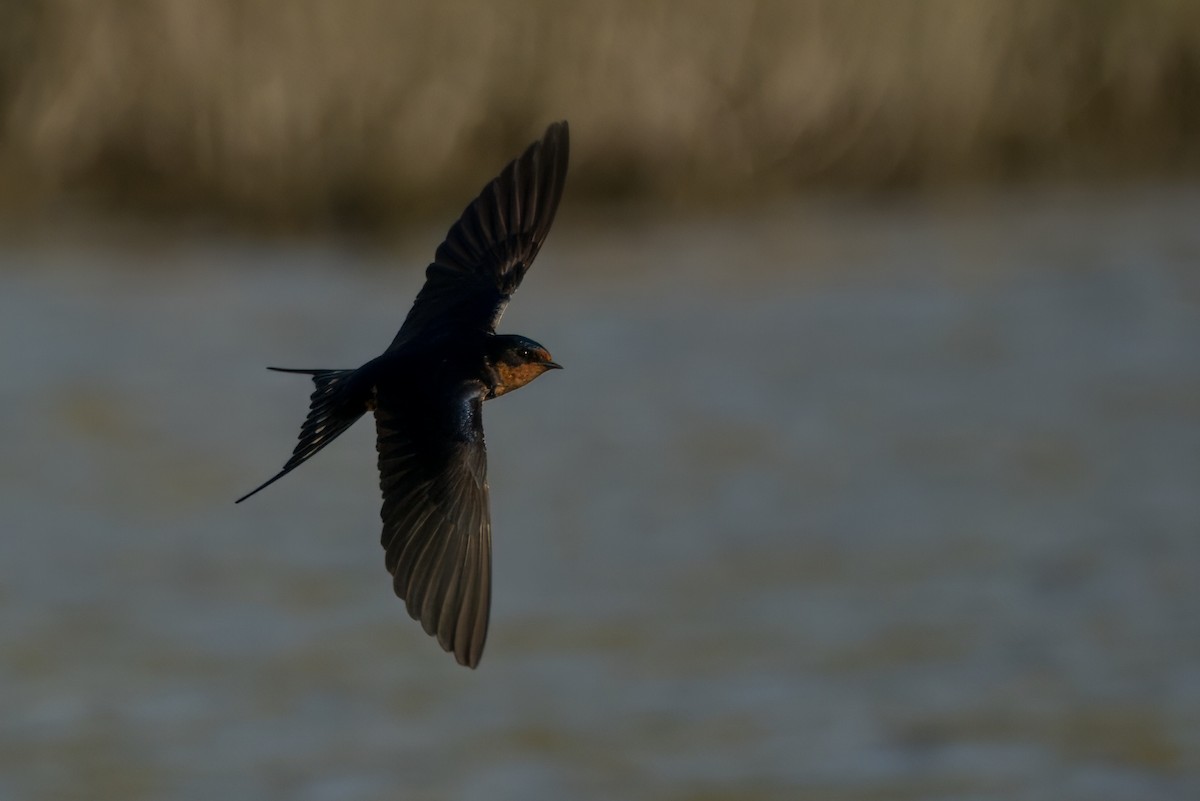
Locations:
(841, 501)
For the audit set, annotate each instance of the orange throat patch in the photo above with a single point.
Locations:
(511, 377)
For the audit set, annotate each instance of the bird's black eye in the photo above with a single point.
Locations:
(526, 353)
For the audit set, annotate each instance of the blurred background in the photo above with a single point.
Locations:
(873, 472)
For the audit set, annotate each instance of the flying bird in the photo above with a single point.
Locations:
(427, 390)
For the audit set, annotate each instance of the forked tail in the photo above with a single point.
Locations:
(333, 407)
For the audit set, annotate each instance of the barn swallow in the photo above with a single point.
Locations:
(427, 391)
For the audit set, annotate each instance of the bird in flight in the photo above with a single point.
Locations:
(427, 391)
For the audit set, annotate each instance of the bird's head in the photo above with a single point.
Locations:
(515, 361)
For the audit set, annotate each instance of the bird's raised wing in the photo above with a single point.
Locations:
(436, 527)
(489, 249)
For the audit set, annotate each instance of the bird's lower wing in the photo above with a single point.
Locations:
(436, 527)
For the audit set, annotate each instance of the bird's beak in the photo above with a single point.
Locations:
(552, 365)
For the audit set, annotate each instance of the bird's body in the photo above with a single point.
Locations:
(427, 390)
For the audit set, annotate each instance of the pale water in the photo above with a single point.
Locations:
(841, 501)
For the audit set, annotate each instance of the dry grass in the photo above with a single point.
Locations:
(358, 110)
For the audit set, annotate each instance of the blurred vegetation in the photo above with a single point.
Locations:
(363, 111)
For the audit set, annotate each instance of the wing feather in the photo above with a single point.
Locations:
(436, 525)
(488, 250)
